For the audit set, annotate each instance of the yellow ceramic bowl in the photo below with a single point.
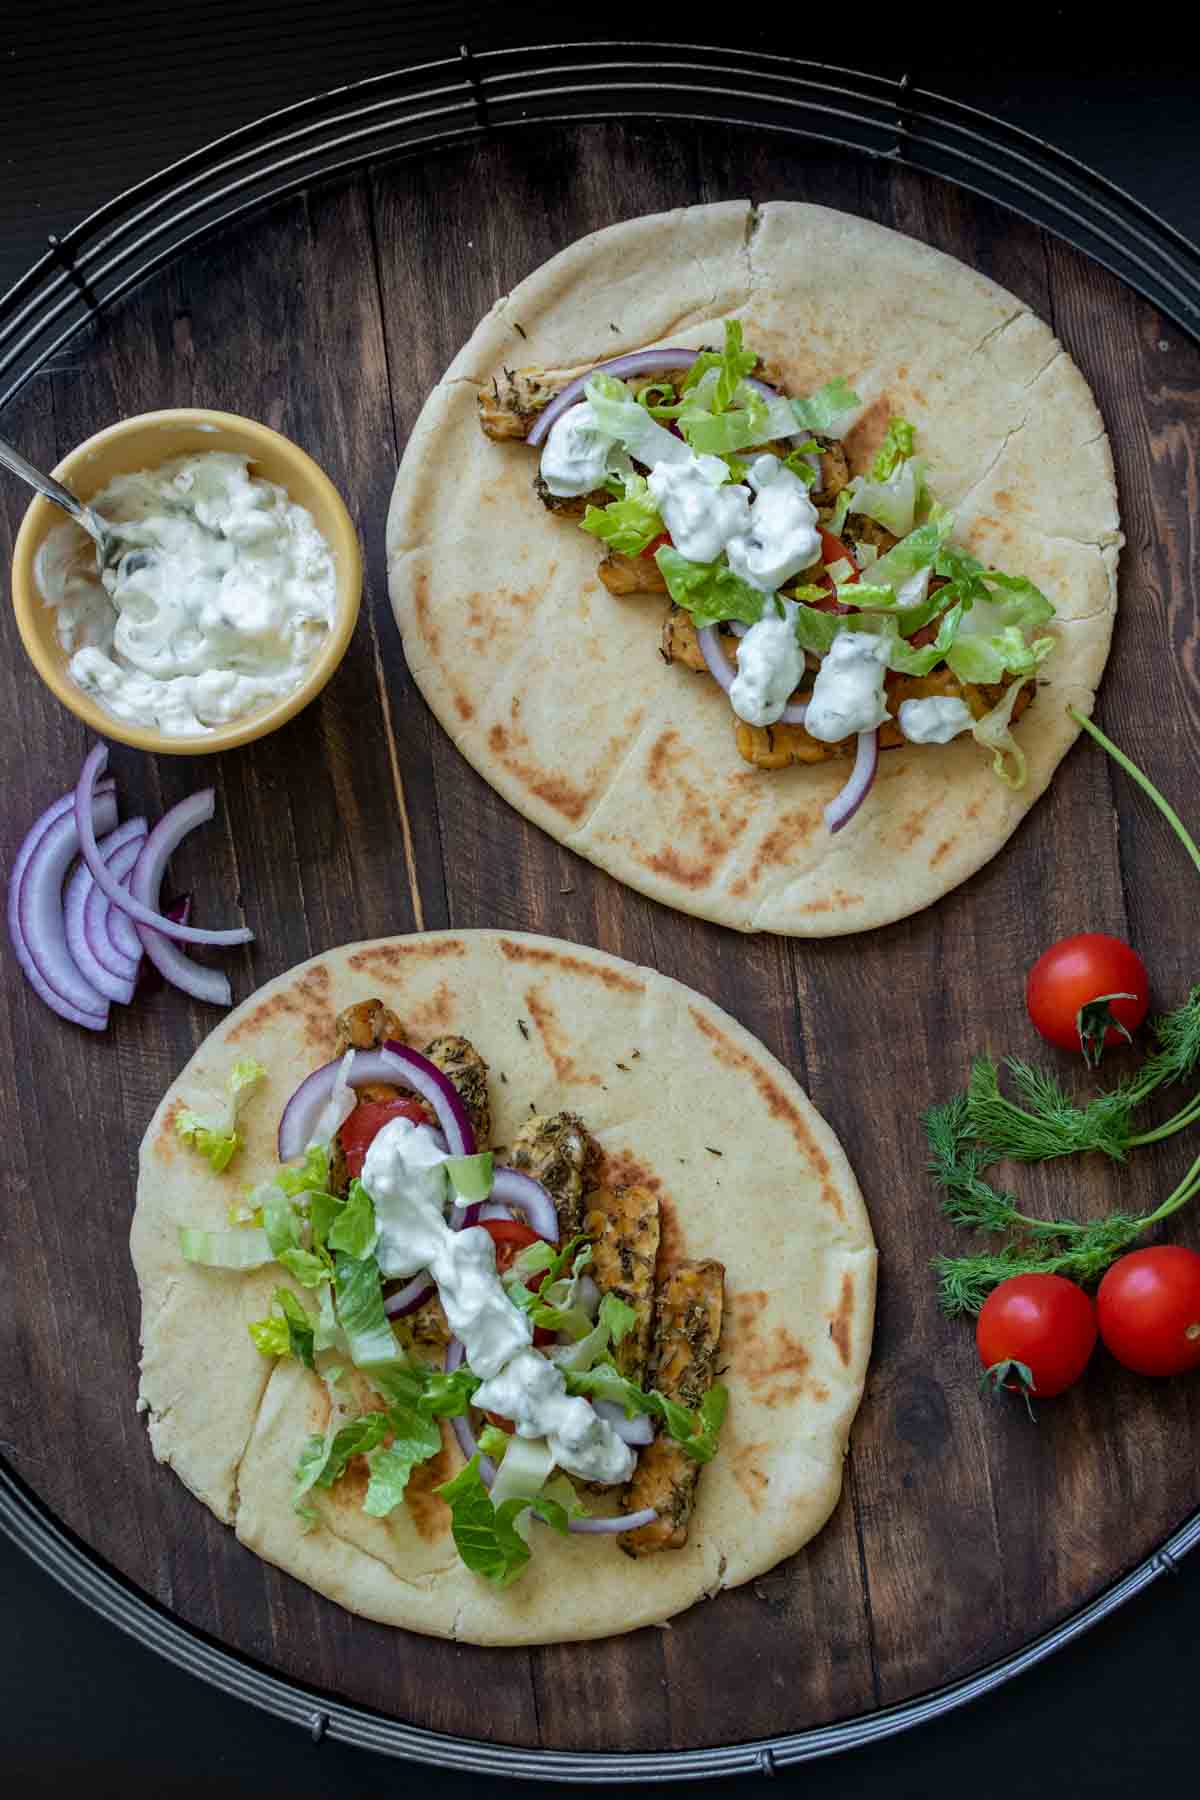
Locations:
(145, 442)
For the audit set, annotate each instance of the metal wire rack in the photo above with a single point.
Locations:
(461, 98)
(421, 110)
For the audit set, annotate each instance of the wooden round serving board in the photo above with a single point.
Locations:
(963, 1530)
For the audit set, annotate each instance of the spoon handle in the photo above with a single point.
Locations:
(45, 484)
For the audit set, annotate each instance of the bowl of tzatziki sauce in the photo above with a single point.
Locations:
(233, 598)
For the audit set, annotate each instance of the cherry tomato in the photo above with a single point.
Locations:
(1035, 1334)
(368, 1118)
(510, 1238)
(1149, 1310)
(1087, 991)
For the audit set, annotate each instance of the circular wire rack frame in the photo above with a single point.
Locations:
(458, 100)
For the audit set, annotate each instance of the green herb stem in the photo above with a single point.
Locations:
(1188, 1115)
(1144, 782)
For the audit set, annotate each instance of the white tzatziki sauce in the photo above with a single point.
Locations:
(781, 537)
(847, 694)
(700, 508)
(934, 720)
(223, 596)
(577, 456)
(404, 1176)
(770, 663)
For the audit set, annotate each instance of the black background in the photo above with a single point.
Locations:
(91, 100)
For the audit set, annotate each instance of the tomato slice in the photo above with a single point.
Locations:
(664, 537)
(368, 1120)
(832, 550)
(510, 1238)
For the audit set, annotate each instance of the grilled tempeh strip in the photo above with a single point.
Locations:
(512, 400)
(558, 1150)
(631, 574)
(365, 1026)
(462, 1065)
(623, 1223)
(687, 1333)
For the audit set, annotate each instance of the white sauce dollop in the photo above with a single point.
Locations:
(781, 536)
(847, 695)
(698, 506)
(934, 720)
(224, 596)
(402, 1173)
(577, 456)
(770, 663)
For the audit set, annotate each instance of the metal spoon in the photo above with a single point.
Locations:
(106, 536)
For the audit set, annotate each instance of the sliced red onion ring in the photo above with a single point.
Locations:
(104, 926)
(623, 1522)
(719, 665)
(145, 884)
(413, 1294)
(463, 1217)
(738, 627)
(794, 713)
(36, 923)
(638, 362)
(408, 1068)
(489, 1210)
(93, 954)
(167, 834)
(528, 1199)
(455, 1355)
(843, 806)
(638, 1431)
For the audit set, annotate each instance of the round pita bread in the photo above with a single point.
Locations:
(778, 1205)
(555, 690)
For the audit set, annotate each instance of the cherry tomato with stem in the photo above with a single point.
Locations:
(1034, 1335)
(1148, 1307)
(1086, 992)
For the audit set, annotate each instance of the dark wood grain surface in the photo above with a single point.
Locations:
(963, 1531)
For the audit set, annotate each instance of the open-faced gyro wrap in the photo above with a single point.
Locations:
(454, 1308)
(775, 547)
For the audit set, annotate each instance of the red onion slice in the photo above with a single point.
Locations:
(638, 362)
(843, 806)
(528, 1199)
(794, 713)
(638, 1431)
(413, 1294)
(91, 950)
(145, 884)
(396, 1064)
(103, 925)
(463, 1217)
(167, 834)
(408, 1068)
(719, 665)
(36, 923)
(623, 1522)
(488, 1210)
(461, 1423)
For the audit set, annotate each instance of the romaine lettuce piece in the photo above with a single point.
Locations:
(485, 1535)
(709, 591)
(896, 446)
(830, 411)
(354, 1229)
(696, 1433)
(244, 1248)
(627, 525)
(217, 1137)
(288, 1332)
(994, 732)
(619, 416)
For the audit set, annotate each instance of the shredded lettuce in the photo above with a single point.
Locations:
(799, 463)
(618, 416)
(696, 1433)
(471, 1176)
(709, 591)
(841, 509)
(494, 1443)
(713, 432)
(917, 551)
(243, 1248)
(527, 1466)
(731, 365)
(310, 1174)
(288, 1332)
(415, 1439)
(325, 1457)
(554, 1304)
(354, 1229)
(987, 660)
(892, 503)
(994, 732)
(614, 1321)
(486, 1536)
(358, 1297)
(629, 524)
(285, 1233)
(218, 1138)
(830, 411)
(815, 629)
(896, 446)
(909, 659)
